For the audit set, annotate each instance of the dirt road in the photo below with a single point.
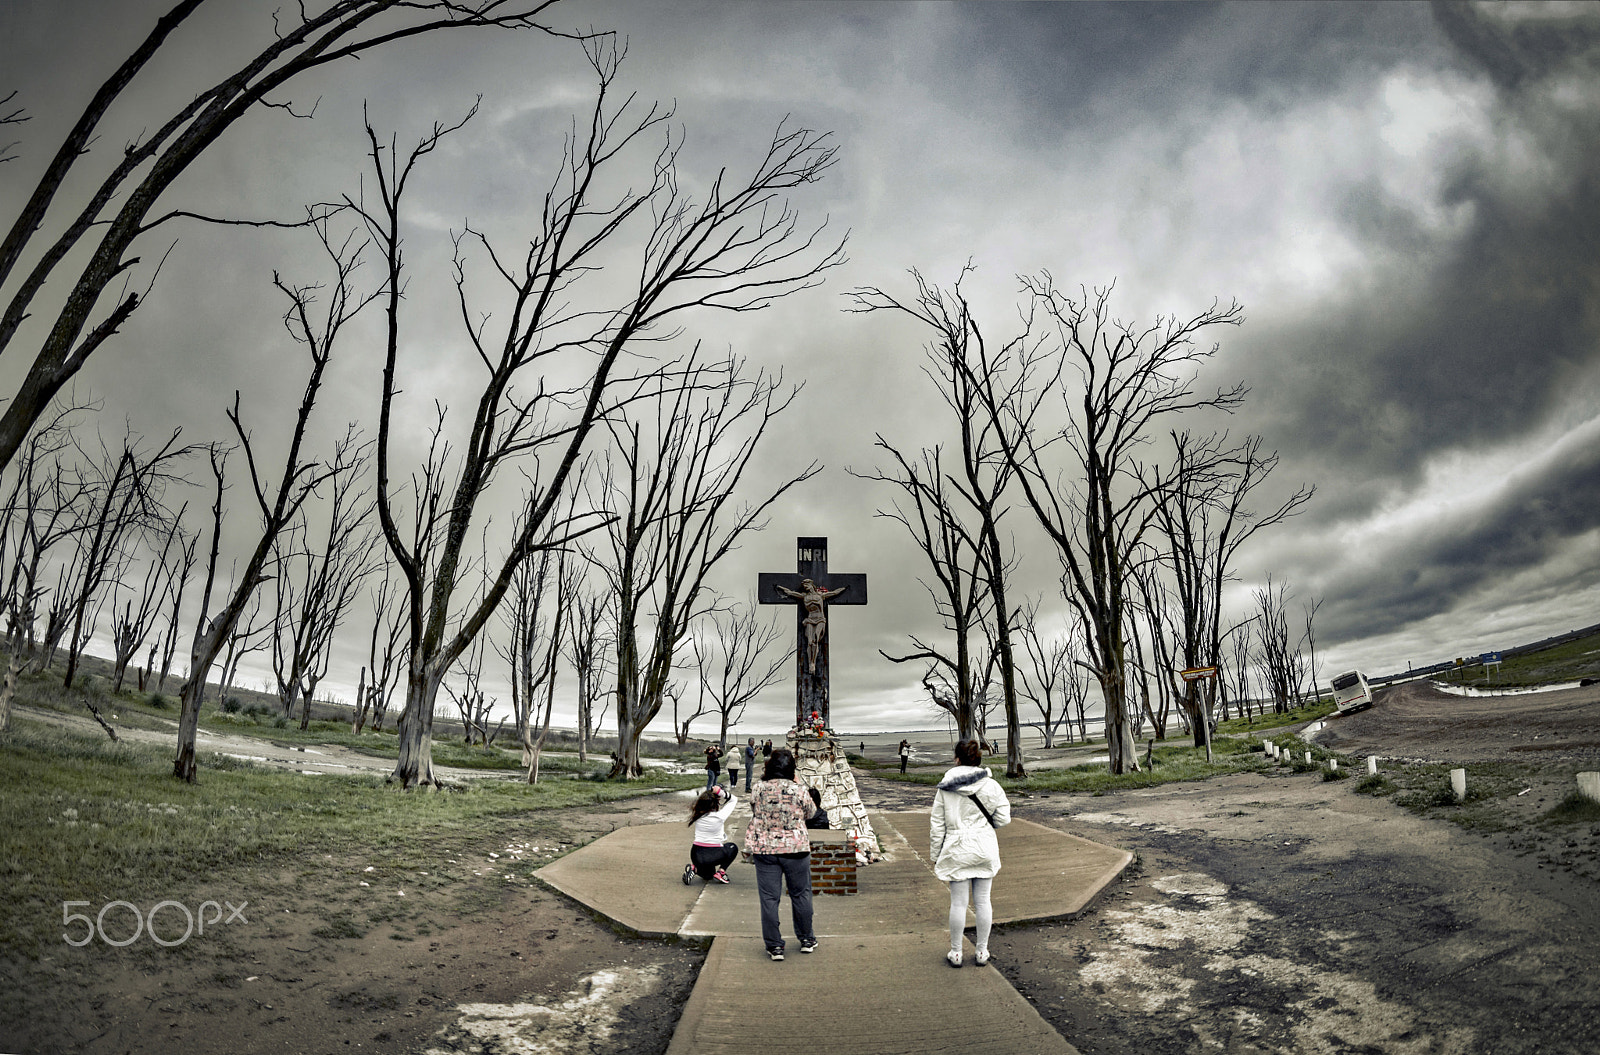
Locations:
(1417, 720)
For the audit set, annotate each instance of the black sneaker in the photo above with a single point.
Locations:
(776, 955)
(688, 874)
(809, 946)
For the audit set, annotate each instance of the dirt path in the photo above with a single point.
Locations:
(1288, 914)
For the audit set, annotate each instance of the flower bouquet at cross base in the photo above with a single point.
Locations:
(813, 726)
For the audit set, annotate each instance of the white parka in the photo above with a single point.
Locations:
(962, 842)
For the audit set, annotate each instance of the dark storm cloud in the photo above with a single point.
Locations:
(1528, 524)
(1500, 324)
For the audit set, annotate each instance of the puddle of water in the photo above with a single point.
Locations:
(1467, 690)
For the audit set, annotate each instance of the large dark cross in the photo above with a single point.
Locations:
(811, 633)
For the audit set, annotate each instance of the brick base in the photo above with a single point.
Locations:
(833, 862)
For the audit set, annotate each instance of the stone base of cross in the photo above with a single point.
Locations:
(812, 589)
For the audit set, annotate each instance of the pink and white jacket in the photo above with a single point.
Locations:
(779, 810)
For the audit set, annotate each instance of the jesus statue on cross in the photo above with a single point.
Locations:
(816, 620)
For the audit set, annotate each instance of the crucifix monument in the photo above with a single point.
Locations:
(820, 760)
(812, 590)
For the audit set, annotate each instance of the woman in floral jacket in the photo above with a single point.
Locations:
(778, 842)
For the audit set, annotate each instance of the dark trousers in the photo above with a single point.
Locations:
(772, 872)
(711, 775)
(707, 859)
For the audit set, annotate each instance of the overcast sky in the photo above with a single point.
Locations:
(1403, 197)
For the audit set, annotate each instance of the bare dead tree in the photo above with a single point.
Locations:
(1238, 638)
(671, 486)
(472, 701)
(682, 722)
(536, 616)
(318, 580)
(179, 572)
(1310, 639)
(129, 501)
(383, 653)
(14, 116)
(567, 575)
(563, 316)
(1152, 607)
(299, 480)
(39, 514)
(1073, 406)
(252, 633)
(983, 473)
(959, 587)
(132, 625)
(109, 195)
(736, 659)
(1204, 518)
(1050, 680)
(590, 614)
(1278, 658)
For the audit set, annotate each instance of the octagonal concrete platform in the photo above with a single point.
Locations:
(878, 979)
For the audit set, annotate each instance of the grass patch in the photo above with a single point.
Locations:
(1309, 713)
(1424, 789)
(340, 928)
(86, 819)
(1172, 764)
(1568, 661)
(1576, 808)
(1376, 784)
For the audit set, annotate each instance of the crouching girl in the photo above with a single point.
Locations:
(711, 854)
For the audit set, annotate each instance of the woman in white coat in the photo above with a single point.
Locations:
(968, 807)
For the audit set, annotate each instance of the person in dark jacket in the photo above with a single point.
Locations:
(713, 765)
(818, 819)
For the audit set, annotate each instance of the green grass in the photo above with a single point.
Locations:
(1576, 808)
(1172, 764)
(85, 819)
(1254, 724)
(1570, 661)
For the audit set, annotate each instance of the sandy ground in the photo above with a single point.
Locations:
(1265, 913)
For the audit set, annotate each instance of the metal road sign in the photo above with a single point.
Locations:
(1196, 673)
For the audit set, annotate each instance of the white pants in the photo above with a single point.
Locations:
(981, 908)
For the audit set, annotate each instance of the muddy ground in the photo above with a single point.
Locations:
(1264, 913)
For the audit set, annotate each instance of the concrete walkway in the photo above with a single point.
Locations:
(878, 982)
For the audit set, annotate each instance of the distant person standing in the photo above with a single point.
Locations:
(969, 805)
(905, 754)
(766, 750)
(713, 765)
(749, 762)
(733, 767)
(777, 840)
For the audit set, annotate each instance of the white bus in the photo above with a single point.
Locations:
(1351, 692)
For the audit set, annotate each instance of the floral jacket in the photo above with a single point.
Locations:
(779, 809)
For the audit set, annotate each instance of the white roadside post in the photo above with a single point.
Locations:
(1458, 784)
(1589, 786)
(1372, 765)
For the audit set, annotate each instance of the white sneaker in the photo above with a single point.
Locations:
(953, 959)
